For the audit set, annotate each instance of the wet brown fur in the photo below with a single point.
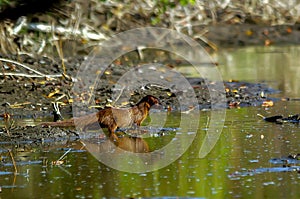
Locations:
(112, 118)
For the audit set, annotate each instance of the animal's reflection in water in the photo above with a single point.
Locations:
(133, 144)
(126, 143)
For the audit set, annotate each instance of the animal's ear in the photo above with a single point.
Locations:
(155, 100)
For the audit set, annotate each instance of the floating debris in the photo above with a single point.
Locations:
(279, 119)
(289, 164)
(263, 170)
(268, 103)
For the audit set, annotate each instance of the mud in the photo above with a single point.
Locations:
(32, 98)
(36, 135)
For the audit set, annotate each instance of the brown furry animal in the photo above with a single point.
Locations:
(112, 118)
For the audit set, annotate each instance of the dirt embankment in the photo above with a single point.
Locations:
(32, 98)
(84, 24)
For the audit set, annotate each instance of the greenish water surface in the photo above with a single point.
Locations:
(230, 170)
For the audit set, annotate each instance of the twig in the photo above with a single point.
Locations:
(58, 45)
(260, 115)
(13, 161)
(207, 123)
(118, 97)
(56, 112)
(39, 74)
(140, 52)
(60, 97)
(68, 151)
(28, 75)
(23, 65)
(66, 31)
(8, 126)
(83, 145)
(18, 105)
(96, 106)
(63, 169)
(188, 111)
(61, 157)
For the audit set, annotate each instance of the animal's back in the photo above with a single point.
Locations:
(115, 116)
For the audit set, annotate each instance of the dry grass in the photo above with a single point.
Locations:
(79, 25)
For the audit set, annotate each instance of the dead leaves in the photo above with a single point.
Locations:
(57, 162)
(241, 94)
(267, 103)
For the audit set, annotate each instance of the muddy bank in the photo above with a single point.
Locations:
(31, 97)
(36, 135)
(250, 34)
(24, 97)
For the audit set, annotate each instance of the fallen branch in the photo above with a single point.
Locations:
(28, 75)
(38, 73)
(85, 32)
(23, 65)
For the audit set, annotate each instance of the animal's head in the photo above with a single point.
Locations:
(151, 100)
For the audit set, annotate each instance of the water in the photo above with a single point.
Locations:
(239, 165)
